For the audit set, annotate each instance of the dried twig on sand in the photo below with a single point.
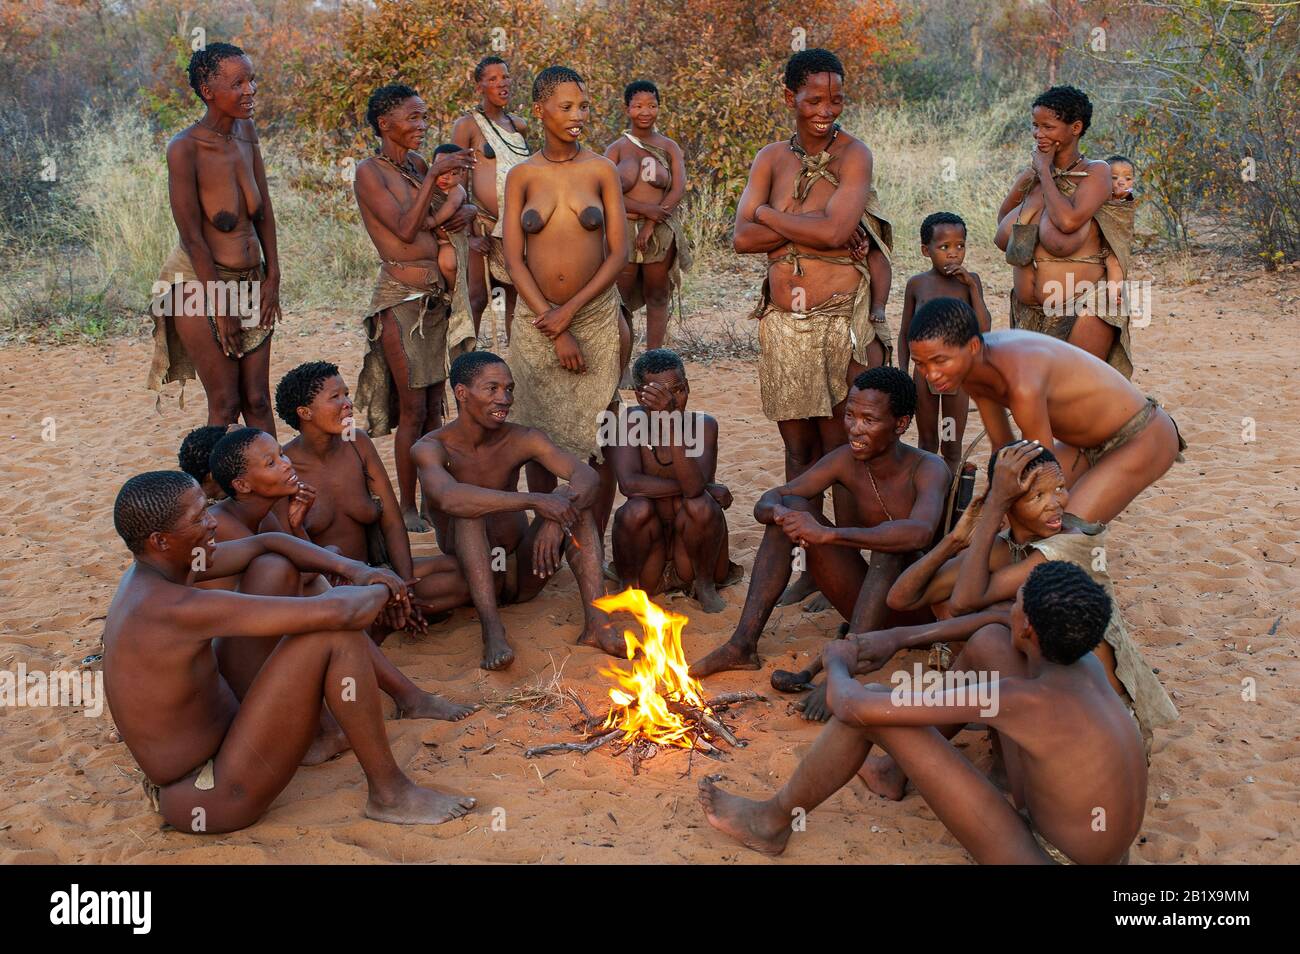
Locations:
(735, 698)
(542, 695)
(580, 747)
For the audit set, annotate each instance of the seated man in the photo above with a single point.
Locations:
(898, 492)
(673, 521)
(1073, 753)
(976, 569)
(264, 495)
(1112, 441)
(212, 762)
(469, 469)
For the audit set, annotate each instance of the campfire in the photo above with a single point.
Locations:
(656, 704)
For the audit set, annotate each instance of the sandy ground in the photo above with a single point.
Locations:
(1204, 563)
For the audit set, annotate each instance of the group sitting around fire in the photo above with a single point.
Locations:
(246, 637)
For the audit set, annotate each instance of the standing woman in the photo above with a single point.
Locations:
(565, 243)
(222, 208)
(653, 175)
(412, 328)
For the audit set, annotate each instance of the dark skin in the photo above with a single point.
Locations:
(555, 250)
(651, 193)
(216, 183)
(911, 485)
(1071, 749)
(969, 575)
(769, 219)
(338, 518)
(1066, 226)
(175, 711)
(469, 469)
(947, 278)
(674, 510)
(1065, 399)
(493, 87)
(397, 218)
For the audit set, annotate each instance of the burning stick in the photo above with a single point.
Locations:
(580, 747)
(710, 724)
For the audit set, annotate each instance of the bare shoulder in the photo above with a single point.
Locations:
(932, 468)
(181, 145)
(246, 129)
(520, 122)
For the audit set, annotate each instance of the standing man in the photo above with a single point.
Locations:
(810, 207)
(498, 137)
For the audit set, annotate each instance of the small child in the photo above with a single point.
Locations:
(943, 242)
(1123, 177)
(453, 184)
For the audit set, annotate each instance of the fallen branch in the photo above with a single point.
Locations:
(735, 698)
(581, 747)
(709, 722)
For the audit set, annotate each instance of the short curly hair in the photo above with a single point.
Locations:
(808, 63)
(228, 461)
(149, 503)
(197, 448)
(468, 366)
(891, 381)
(656, 361)
(206, 63)
(939, 218)
(297, 388)
(1067, 608)
(1069, 103)
(949, 320)
(384, 100)
(639, 86)
(551, 77)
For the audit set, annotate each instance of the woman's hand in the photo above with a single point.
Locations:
(452, 162)
(655, 213)
(643, 235)
(462, 218)
(1042, 163)
(229, 336)
(269, 300)
(299, 505)
(1009, 477)
(568, 353)
(555, 321)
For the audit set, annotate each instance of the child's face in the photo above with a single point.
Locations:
(1121, 180)
(947, 247)
(449, 180)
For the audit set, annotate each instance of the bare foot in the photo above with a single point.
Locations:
(326, 746)
(706, 594)
(497, 651)
(417, 805)
(884, 777)
(818, 604)
(785, 681)
(414, 522)
(428, 705)
(798, 590)
(743, 819)
(814, 705)
(605, 635)
(726, 657)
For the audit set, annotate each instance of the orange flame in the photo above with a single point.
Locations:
(659, 674)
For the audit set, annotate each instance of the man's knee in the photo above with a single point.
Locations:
(635, 514)
(700, 511)
(270, 574)
(795, 502)
(986, 648)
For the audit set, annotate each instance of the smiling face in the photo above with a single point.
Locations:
(267, 471)
(643, 111)
(817, 104)
(330, 409)
(565, 113)
(232, 88)
(870, 424)
(406, 123)
(195, 529)
(947, 247)
(1051, 133)
(494, 85)
(488, 399)
(1038, 512)
(944, 365)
